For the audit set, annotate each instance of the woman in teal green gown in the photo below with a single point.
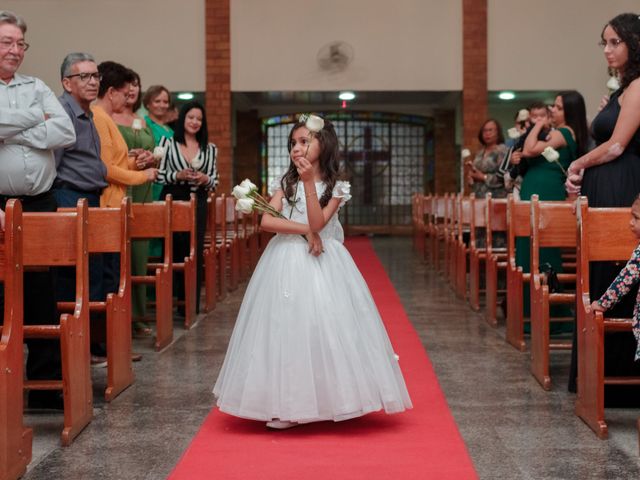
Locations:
(546, 179)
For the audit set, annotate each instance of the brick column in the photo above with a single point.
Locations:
(446, 165)
(474, 83)
(246, 153)
(218, 84)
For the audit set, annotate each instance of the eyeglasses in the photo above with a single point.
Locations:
(84, 77)
(20, 45)
(613, 43)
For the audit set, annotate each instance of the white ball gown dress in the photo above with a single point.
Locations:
(309, 343)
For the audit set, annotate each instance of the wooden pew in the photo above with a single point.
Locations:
(427, 216)
(448, 233)
(553, 224)
(477, 254)
(496, 258)
(233, 243)
(417, 222)
(183, 220)
(603, 235)
(518, 225)
(210, 257)
(54, 240)
(153, 220)
(462, 247)
(452, 240)
(109, 232)
(15, 438)
(436, 231)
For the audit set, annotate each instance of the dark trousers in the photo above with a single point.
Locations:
(102, 278)
(181, 240)
(43, 361)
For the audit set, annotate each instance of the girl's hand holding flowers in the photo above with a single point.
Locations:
(315, 244)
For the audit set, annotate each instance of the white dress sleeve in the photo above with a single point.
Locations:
(275, 185)
(342, 190)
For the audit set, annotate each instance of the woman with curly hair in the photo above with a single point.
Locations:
(609, 176)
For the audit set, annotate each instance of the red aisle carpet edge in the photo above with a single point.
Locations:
(422, 443)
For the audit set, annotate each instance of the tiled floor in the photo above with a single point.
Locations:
(513, 429)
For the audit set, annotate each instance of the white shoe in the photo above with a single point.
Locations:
(281, 425)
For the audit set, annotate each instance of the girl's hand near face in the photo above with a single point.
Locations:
(305, 169)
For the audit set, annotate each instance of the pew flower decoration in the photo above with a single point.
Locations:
(248, 199)
(552, 156)
(465, 153)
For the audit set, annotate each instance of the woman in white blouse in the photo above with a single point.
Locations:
(189, 166)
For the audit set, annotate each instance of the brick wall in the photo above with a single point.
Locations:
(246, 153)
(218, 85)
(446, 166)
(474, 83)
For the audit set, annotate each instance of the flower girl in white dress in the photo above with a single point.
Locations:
(309, 343)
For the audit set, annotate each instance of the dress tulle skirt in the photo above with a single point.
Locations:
(308, 343)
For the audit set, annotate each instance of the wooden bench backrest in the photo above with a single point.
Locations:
(478, 218)
(518, 223)
(438, 209)
(56, 238)
(464, 216)
(603, 235)
(151, 220)
(183, 216)
(496, 218)
(553, 224)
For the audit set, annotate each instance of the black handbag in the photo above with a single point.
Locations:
(552, 278)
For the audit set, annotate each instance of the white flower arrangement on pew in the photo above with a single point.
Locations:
(552, 156)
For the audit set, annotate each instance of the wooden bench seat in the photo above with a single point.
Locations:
(477, 252)
(603, 235)
(553, 224)
(153, 220)
(518, 225)
(53, 240)
(109, 232)
(462, 246)
(496, 260)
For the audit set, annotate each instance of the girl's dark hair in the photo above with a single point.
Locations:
(575, 116)
(329, 162)
(152, 92)
(114, 75)
(627, 26)
(203, 134)
(136, 78)
(500, 134)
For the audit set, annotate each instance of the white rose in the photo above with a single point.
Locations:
(551, 154)
(523, 115)
(465, 153)
(197, 162)
(244, 205)
(240, 192)
(613, 84)
(513, 133)
(314, 123)
(136, 124)
(159, 153)
(246, 183)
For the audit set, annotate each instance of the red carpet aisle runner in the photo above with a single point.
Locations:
(423, 443)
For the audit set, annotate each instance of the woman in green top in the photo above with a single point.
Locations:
(547, 179)
(138, 135)
(156, 100)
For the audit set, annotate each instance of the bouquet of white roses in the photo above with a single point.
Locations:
(248, 199)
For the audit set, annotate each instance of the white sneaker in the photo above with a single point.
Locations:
(281, 425)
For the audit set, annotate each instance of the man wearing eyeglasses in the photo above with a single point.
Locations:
(81, 172)
(32, 125)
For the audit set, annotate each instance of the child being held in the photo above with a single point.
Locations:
(626, 279)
